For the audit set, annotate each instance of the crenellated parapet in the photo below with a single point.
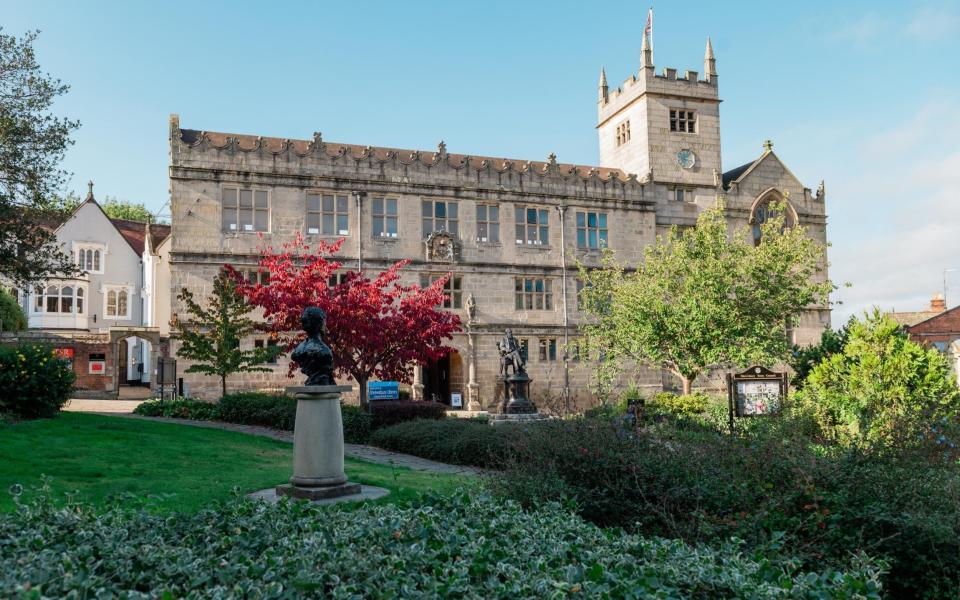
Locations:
(318, 158)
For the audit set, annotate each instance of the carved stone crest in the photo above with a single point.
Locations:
(442, 247)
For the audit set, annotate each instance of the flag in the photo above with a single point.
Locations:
(648, 30)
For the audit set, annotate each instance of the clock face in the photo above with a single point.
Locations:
(686, 158)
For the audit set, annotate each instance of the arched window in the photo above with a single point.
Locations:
(53, 298)
(111, 303)
(66, 299)
(96, 260)
(38, 299)
(122, 303)
(79, 301)
(763, 212)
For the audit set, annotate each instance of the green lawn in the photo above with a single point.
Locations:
(177, 466)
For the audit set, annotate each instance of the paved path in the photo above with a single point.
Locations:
(367, 453)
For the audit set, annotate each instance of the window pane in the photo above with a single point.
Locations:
(544, 237)
(52, 303)
(327, 203)
(96, 260)
(391, 206)
(482, 232)
(246, 219)
(313, 223)
(603, 220)
(581, 238)
(591, 219)
(593, 238)
(518, 216)
(341, 204)
(481, 212)
(532, 216)
(313, 202)
(342, 225)
(453, 210)
(229, 197)
(494, 213)
(495, 233)
(426, 208)
(453, 228)
(261, 197)
(520, 234)
(580, 219)
(427, 227)
(79, 292)
(327, 224)
(246, 197)
(122, 303)
(440, 210)
(377, 225)
(603, 238)
(52, 290)
(229, 219)
(543, 217)
(378, 206)
(79, 305)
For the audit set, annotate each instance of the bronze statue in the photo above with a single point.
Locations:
(312, 354)
(511, 355)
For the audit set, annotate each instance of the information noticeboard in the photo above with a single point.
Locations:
(756, 392)
(383, 390)
(456, 400)
(97, 364)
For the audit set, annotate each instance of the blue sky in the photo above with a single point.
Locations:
(861, 94)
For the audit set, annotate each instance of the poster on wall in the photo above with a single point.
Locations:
(456, 400)
(97, 364)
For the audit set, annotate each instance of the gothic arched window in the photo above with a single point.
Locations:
(763, 212)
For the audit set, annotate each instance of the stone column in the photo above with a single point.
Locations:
(318, 445)
(473, 388)
(418, 382)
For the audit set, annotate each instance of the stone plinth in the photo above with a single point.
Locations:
(517, 393)
(318, 445)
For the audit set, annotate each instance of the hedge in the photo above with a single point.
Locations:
(471, 442)
(458, 547)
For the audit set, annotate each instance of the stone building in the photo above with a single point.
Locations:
(514, 228)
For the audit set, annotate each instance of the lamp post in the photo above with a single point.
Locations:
(945, 271)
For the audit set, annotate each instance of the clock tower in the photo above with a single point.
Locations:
(663, 125)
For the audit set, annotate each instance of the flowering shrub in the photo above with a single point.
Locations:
(459, 547)
(34, 382)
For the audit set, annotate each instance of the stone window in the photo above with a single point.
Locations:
(65, 299)
(763, 212)
(533, 293)
(488, 223)
(336, 278)
(384, 217)
(623, 133)
(245, 210)
(683, 121)
(548, 350)
(440, 215)
(533, 226)
(524, 348)
(328, 214)
(267, 343)
(591, 230)
(90, 258)
(255, 276)
(117, 305)
(681, 194)
(452, 289)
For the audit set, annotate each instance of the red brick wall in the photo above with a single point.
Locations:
(942, 328)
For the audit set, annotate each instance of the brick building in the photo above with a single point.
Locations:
(516, 227)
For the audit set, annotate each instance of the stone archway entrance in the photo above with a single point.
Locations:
(120, 338)
(444, 377)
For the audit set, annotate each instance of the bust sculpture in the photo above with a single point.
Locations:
(312, 354)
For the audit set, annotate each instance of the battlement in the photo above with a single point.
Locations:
(299, 160)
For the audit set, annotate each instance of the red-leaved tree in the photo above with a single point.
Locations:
(376, 327)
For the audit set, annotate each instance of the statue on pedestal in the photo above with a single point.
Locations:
(312, 354)
(511, 355)
(516, 387)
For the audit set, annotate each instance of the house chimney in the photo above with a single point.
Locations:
(937, 303)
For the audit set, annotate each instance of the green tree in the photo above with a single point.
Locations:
(882, 387)
(703, 296)
(32, 145)
(118, 209)
(212, 335)
(11, 315)
(804, 359)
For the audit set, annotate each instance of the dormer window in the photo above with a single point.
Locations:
(90, 258)
(623, 133)
(683, 121)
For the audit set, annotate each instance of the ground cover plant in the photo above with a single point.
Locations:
(184, 468)
(460, 545)
(35, 382)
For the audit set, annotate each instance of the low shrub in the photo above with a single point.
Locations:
(278, 411)
(682, 405)
(356, 424)
(764, 487)
(460, 547)
(387, 413)
(454, 441)
(34, 382)
(180, 408)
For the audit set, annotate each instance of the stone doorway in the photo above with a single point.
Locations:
(443, 377)
(122, 364)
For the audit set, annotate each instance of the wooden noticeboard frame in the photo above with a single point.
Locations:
(770, 384)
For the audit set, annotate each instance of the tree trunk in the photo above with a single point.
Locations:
(687, 384)
(364, 403)
(223, 385)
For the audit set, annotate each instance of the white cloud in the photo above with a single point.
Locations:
(931, 24)
(896, 222)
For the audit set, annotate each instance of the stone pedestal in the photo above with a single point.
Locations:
(517, 394)
(318, 445)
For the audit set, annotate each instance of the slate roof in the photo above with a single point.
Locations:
(135, 233)
(734, 174)
(911, 318)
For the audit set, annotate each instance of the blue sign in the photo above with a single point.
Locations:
(383, 390)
